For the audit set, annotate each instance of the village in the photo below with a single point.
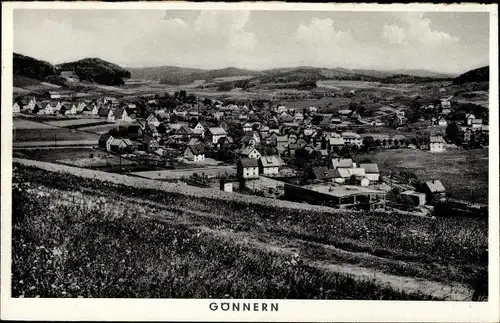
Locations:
(255, 147)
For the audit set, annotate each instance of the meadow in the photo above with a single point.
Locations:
(136, 242)
(52, 134)
(464, 173)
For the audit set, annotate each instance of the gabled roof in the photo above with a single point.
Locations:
(103, 112)
(271, 161)
(249, 162)
(342, 172)
(337, 141)
(370, 168)
(247, 150)
(435, 186)
(342, 162)
(217, 131)
(197, 149)
(356, 171)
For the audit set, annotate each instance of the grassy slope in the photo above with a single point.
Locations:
(131, 230)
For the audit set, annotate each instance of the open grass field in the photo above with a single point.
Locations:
(327, 104)
(52, 134)
(460, 171)
(113, 240)
(23, 124)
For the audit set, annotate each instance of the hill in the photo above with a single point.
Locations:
(481, 74)
(32, 68)
(97, 70)
(423, 73)
(300, 74)
(185, 75)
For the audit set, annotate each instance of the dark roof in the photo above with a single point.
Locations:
(104, 137)
(370, 168)
(197, 149)
(249, 162)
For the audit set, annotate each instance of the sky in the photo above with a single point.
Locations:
(450, 42)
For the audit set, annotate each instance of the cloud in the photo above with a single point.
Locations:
(394, 34)
(416, 30)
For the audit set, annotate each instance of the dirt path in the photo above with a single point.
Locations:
(260, 238)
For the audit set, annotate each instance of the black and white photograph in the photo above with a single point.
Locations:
(251, 156)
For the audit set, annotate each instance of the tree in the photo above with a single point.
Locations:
(352, 180)
(453, 132)
(368, 142)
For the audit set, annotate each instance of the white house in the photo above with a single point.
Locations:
(16, 107)
(248, 168)
(270, 165)
(436, 144)
(216, 133)
(194, 153)
(371, 172)
(250, 152)
(247, 127)
(351, 138)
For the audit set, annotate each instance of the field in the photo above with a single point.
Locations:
(53, 135)
(133, 241)
(327, 104)
(23, 124)
(179, 173)
(461, 171)
(356, 85)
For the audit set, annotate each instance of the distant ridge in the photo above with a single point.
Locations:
(97, 70)
(184, 75)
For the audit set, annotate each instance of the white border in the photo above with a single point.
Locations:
(289, 310)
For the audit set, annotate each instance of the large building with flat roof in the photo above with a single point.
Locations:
(339, 196)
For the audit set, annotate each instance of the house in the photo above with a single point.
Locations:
(441, 121)
(248, 168)
(281, 143)
(322, 174)
(106, 113)
(195, 153)
(152, 119)
(351, 138)
(199, 130)
(477, 123)
(469, 118)
(285, 118)
(150, 144)
(68, 108)
(184, 131)
(343, 163)
(17, 107)
(92, 110)
(436, 144)
(134, 131)
(47, 108)
(214, 134)
(371, 172)
(121, 115)
(105, 141)
(121, 145)
(269, 165)
(336, 142)
(418, 199)
(468, 135)
(247, 127)
(250, 152)
(250, 138)
(434, 190)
